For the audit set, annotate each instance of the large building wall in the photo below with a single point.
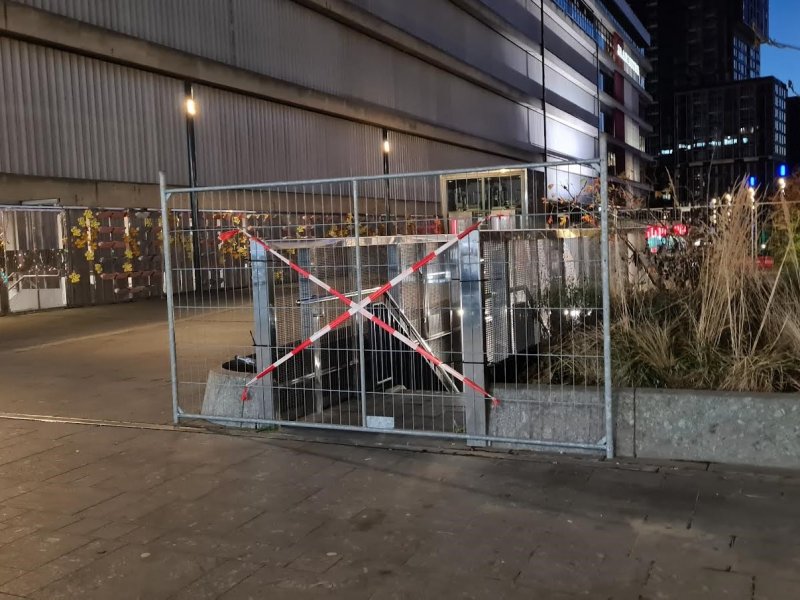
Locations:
(292, 42)
(66, 115)
(287, 41)
(92, 90)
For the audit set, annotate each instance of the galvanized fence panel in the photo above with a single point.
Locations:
(492, 278)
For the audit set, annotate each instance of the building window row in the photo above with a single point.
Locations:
(584, 18)
(746, 60)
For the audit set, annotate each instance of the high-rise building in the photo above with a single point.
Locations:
(727, 131)
(705, 56)
(793, 133)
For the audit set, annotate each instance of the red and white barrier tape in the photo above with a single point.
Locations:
(361, 308)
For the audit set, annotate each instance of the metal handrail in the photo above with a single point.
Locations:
(22, 278)
(390, 176)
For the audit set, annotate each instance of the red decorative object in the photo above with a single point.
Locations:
(656, 231)
(766, 262)
(680, 229)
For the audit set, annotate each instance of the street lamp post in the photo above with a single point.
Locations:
(190, 110)
(386, 148)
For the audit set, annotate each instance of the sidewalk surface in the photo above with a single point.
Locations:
(151, 513)
(110, 512)
(102, 362)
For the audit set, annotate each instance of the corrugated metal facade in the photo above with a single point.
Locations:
(411, 154)
(285, 40)
(244, 139)
(444, 25)
(201, 27)
(290, 42)
(64, 115)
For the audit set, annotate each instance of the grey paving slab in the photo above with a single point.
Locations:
(7, 574)
(84, 526)
(24, 449)
(218, 581)
(691, 583)
(669, 546)
(279, 583)
(36, 520)
(274, 528)
(768, 557)
(126, 505)
(72, 343)
(31, 581)
(66, 499)
(132, 572)
(409, 583)
(773, 588)
(722, 512)
(199, 517)
(231, 546)
(8, 512)
(113, 531)
(238, 517)
(37, 549)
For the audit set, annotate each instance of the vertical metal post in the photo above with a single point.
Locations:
(195, 211)
(310, 321)
(473, 351)
(165, 233)
(362, 366)
(385, 149)
(262, 317)
(607, 383)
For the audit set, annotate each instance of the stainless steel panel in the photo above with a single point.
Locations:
(495, 270)
(472, 334)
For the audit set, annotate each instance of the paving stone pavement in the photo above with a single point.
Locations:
(111, 512)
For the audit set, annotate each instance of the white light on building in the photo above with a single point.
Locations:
(191, 107)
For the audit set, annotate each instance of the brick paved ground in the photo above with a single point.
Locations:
(106, 512)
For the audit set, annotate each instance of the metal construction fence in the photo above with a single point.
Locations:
(445, 304)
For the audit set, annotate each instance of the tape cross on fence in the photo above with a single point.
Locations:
(360, 308)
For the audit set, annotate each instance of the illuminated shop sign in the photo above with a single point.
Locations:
(627, 59)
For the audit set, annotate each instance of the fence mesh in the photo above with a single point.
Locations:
(478, 334)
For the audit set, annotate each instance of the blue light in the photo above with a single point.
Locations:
(752, 181)
(783, 170)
